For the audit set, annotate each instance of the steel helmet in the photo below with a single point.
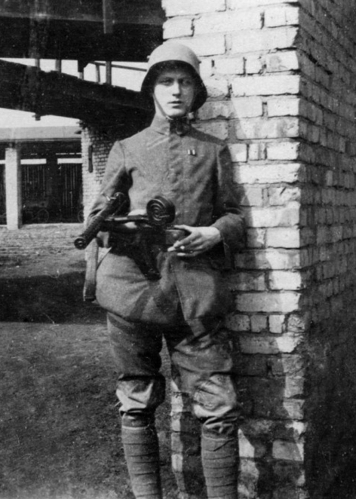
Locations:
(172, 54)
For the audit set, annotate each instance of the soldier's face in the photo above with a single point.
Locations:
(173, 93)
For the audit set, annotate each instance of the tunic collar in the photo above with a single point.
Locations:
(165, 126)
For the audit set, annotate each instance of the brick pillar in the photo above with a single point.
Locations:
(13, 187)
(280, 76)
(95, 150)
(251, 68)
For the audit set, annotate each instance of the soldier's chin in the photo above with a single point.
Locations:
(176, 113)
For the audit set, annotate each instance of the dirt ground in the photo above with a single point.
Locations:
(59, 424)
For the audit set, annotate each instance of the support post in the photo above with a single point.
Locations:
(13, 187)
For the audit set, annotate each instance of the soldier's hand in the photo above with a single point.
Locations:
(199, 240)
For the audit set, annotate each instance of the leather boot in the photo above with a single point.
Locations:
(142, 459)
(220, 466)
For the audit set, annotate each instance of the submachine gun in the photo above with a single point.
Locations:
(154, 228)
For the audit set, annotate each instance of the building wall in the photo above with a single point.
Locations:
(281, 83)
(327, 128)
(97, 144)
(280, 76)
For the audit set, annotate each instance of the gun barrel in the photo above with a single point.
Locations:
(82, 241)
(113, 205)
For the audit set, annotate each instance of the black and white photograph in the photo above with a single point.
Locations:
(177, 249)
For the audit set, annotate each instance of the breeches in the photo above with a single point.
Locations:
(202, 367)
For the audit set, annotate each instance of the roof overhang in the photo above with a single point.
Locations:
(34, 134)
(27, 88)
(72, 29)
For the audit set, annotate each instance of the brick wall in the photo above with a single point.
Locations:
(327, 130)
(280, 76)
(97, 144)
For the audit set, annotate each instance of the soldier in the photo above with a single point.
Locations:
(187, 305)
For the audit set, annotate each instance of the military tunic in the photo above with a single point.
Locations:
(193, 170)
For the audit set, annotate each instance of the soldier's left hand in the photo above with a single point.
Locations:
(199, 240)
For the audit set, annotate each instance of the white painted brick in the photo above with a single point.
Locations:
(277, 259)
(258, 323)
(256, 238)
(273, 128)
(238, 322)
(294, 409)
(182, 7)
(298, 323)
(216, 110)
(281, 16)
(227, 22)
(285, 237)
(238, 152)
(232, 65)
(247, 281)
(218, 129)
(283, 195)
(282, 61)
(284, 302)
(205, 45)
(266, 85)
(248, 450)
(288, 451)
(280, 280)
(247, 107)
(257, 151)
(176, 27)
(293, 387)
(217, 88)
(293, 430)
(206, 68)
(283, 107)
(285, 216)
(252, 196)
(269, 174)
(269, 345)
(276, 323)
(283, 150)
(261, 40)
(255, 64)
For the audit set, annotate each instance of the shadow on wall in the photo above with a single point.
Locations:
(186, 431)
(271, 361)
(271, 369)
(270, 380)
(331, 406)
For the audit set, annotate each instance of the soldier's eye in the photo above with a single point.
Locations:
(165, 81)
